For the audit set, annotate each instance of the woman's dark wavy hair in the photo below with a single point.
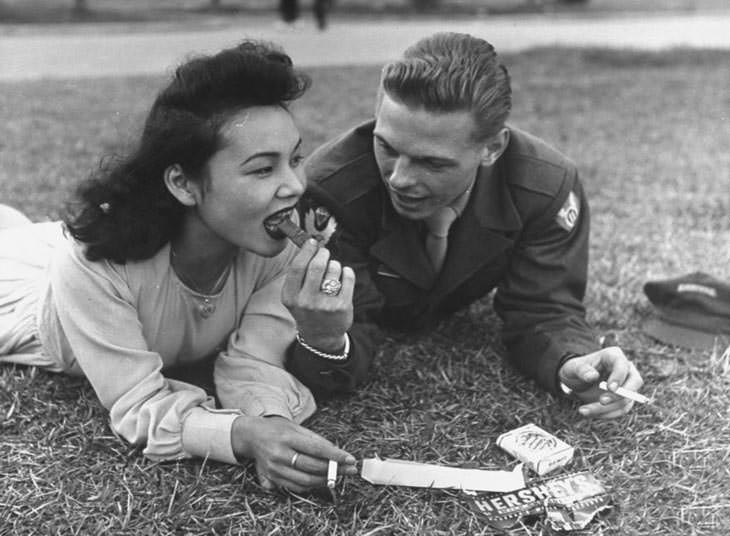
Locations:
(124, 211)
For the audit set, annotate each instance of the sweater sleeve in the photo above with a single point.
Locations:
(250, 374)
(99, 319)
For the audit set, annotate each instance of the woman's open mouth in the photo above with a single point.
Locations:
(271, 223)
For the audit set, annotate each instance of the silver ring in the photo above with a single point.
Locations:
(293, 461)
(331, 287)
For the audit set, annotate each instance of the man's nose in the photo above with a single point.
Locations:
(401, 176)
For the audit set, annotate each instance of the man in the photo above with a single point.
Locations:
(438, 202)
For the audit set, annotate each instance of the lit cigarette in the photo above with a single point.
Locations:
(331, 474)
(631, 395)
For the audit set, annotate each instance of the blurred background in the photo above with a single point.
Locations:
(23, 11)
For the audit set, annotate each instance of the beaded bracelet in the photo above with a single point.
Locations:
(333, 357)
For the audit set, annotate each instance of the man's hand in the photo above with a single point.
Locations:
(582, 375)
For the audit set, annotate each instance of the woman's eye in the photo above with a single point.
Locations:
(262, 171)
(386, 148)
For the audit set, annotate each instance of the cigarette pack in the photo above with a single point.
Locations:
(539, 450)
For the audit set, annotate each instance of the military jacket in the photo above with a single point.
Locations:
(524, 231)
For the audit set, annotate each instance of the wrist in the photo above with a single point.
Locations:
(335, 350)
(240, 437)
(561, 380)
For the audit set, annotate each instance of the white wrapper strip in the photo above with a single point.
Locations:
(422, 475)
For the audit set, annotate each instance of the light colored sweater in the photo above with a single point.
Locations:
(122, 325)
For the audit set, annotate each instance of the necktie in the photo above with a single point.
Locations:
(437, 236)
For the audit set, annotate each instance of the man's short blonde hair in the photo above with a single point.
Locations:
(449, 72)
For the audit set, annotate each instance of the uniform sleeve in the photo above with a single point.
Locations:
(541, 298)
(327, 376)
(97, 312)
(250, 374)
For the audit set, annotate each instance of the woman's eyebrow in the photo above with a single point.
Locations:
(272, 154)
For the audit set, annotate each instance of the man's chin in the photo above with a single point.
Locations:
(411, 211)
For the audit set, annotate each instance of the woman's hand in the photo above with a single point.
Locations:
(322, 319)
(287, 455)
(582, 375)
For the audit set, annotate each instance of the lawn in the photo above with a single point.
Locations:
(649, 132)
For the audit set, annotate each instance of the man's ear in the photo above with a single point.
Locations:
(180, 186)
(495, 146)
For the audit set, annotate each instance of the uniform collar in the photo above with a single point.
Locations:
(477, 237)
(490, 203)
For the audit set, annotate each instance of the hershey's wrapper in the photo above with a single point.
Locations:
(293, 232)
(569, 502)
(539, 450)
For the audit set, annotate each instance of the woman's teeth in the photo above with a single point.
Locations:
(271, 224)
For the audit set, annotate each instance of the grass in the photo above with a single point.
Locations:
(648, 131)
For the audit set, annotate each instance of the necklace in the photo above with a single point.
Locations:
(206, 296)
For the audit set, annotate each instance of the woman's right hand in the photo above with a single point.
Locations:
(273, 442)
(322, 319)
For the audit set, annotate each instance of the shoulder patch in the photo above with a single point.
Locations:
(568, 214)
(320, 224)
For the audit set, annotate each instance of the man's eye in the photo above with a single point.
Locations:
(297, 160)
(432, 166)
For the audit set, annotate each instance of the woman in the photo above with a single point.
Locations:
(171, 256)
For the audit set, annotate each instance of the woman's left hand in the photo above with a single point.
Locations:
(322, 312)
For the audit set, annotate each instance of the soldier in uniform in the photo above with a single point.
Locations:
(438, 201)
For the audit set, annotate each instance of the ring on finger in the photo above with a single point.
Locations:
(331, 287)
(293, 461)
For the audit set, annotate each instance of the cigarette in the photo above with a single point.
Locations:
(631, 395)
(332, 474)
(293, 232)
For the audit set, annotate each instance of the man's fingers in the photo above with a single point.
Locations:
(618, 411)
(606, 411)
(618, 365)
(587, 373)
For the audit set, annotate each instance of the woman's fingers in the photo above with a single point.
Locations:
(348, 284)
(298, 270)
(333, 271)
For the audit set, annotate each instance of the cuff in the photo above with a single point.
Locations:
(262, 406)
(562, 388)
(206, 433)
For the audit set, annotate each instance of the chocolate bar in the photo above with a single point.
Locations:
(293, 232)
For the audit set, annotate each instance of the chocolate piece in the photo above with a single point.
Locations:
(293, 232)
(539, 450)
(570, 500)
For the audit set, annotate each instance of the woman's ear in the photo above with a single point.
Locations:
(180, 186)
(495, 146)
